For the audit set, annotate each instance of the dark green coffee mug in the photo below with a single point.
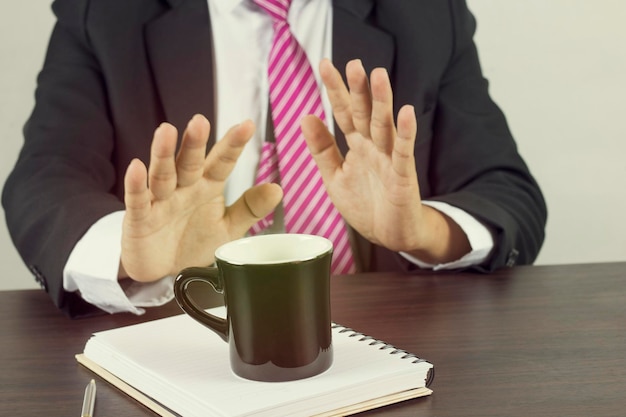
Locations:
(277, 295)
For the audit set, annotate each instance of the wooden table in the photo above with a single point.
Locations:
(547, 341)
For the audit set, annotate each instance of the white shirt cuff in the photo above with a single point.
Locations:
(92, 269)
(480, 239)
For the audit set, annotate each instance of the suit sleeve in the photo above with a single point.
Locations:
(62, 181)
(475, 164)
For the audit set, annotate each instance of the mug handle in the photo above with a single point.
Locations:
(209, 275)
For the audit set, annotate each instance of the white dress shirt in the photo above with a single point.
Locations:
(242, 36)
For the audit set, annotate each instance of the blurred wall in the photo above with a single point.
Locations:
(24, 30)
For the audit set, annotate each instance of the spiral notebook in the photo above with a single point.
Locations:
(176, 367)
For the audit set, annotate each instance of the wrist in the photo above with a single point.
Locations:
(439, 238)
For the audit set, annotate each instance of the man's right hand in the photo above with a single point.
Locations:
(175, 211)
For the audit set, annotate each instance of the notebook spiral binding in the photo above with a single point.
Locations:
(384, 346)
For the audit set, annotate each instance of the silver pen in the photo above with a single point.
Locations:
(90, 399)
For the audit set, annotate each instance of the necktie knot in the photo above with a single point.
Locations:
(276, 9)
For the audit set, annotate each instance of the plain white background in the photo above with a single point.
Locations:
(557, 68)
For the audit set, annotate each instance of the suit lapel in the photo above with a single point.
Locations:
(354, 37)
(180, 51)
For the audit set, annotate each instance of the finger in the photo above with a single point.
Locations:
(190, 159)
(223, 156)
(256, 203)
(136, 193)
(360, 96)
(323, 147)
(162, 170)
(403, 157)
(382, 127)
(338, 95)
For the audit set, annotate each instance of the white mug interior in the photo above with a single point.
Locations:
(273, 249)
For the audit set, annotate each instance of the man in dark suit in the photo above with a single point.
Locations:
(115, 70)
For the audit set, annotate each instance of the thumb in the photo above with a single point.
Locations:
(322, 146)
(256, 203)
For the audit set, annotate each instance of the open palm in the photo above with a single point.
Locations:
(175, 211)
(375, 187)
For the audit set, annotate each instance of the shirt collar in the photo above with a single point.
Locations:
(226, 6)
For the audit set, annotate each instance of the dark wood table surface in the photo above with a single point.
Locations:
(544, 340)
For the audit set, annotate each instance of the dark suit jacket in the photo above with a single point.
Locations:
(115, 69)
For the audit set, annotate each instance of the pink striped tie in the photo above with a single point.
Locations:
(293, 94)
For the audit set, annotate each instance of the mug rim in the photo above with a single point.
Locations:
(325, 246)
